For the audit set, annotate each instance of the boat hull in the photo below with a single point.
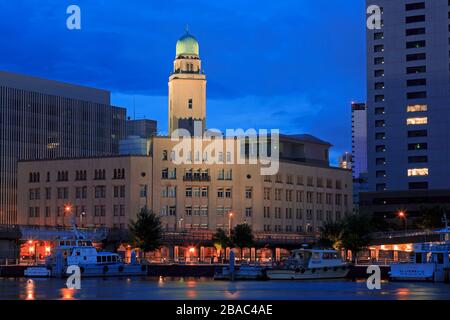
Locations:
(124, 270)
(412, 272)
(308, 274)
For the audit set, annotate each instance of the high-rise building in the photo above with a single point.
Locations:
(48, 119)
(142, 128)
(359, 139)
(408, 101)
(346, 161)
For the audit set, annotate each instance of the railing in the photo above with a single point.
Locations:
(196, 178)
(402, 234)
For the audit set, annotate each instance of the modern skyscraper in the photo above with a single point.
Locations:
(346, 161)
(359, 139)
(187, 87)
(44, 119)
(408, 101)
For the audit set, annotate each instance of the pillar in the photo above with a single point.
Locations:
(202, 254)
(253, 254)
(176, 253)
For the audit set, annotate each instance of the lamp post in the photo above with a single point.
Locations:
(230, 216)
(67, 210)
(83, 213)
(180, 221)
(402, 215)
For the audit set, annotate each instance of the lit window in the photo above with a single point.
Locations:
(417, 108)
(416, 121)
(418, 172)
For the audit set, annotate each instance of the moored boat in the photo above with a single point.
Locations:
(310, 264)
(431, 262)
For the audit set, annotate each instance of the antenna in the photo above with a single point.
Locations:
(187, 28)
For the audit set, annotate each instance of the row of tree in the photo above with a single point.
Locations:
(147, 230)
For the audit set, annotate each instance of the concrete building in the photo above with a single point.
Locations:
(408, 97)
(346, 161)
(48, 119)
(142, 128)
(195, 194)
(359, 139)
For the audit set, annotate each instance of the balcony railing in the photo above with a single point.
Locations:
(196, 178)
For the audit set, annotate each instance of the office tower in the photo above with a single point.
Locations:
(359, 139)
(408, 101)
(43, 119)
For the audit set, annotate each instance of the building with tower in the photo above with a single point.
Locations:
(192, 197)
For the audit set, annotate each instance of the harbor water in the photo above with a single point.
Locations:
(164, 288)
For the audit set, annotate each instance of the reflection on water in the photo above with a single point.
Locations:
(30, 290)
(162, 288)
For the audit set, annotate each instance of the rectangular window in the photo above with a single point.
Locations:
(379, 85)
(380, 136)
(415, 6)
(416, 121)
(415, 31)
(379, 111)
(417, 133)
(418, 69)
(418, 172)
(380, 148)
(380, 161)
(379, 60)
(416, 44)
(378, 48)
(379, 73)
(416, 56)
(415, 19)
(417, 146)
(418, 185)
(417, 108)
(416, 95)
(416, 82)
(418, 159)
(380, 123)
(378, 36)
(190, 104)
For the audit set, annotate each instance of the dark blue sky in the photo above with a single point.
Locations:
(291, 64)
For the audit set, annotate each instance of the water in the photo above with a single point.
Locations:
(206, 289)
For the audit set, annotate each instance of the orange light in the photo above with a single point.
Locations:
(30, 241)
(191, 249)
(68, 208)
(47, 250)
(231, 214)
(402, 214)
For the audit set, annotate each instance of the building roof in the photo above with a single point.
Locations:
(306, 138)
(187, 45)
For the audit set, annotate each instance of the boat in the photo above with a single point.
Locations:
(243, 272)
(431, 262)
(310, 264)
(79, 251)
(37, 272)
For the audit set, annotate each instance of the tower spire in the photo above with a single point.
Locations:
(187, 28)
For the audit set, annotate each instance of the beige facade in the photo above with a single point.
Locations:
(100, 191)
(186, 196)
(196, 193)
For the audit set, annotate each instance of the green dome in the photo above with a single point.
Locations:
(187, 45)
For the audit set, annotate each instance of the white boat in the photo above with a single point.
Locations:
(37, 272)
(309, 264)
(431, 262)
(81, 252)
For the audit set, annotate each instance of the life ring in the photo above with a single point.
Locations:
(120, 268)
(105, 269)
(313, 270)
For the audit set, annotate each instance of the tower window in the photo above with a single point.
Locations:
(190, 104)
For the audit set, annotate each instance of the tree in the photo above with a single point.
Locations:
(146, 231)
(432, 218)
(331, 235)
(356, 233)
(220, 241)
(242, 236)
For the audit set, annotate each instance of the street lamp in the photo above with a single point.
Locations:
(230, 216)
(402, 215)
(83, 213)
(67, 211)
(180, 221)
